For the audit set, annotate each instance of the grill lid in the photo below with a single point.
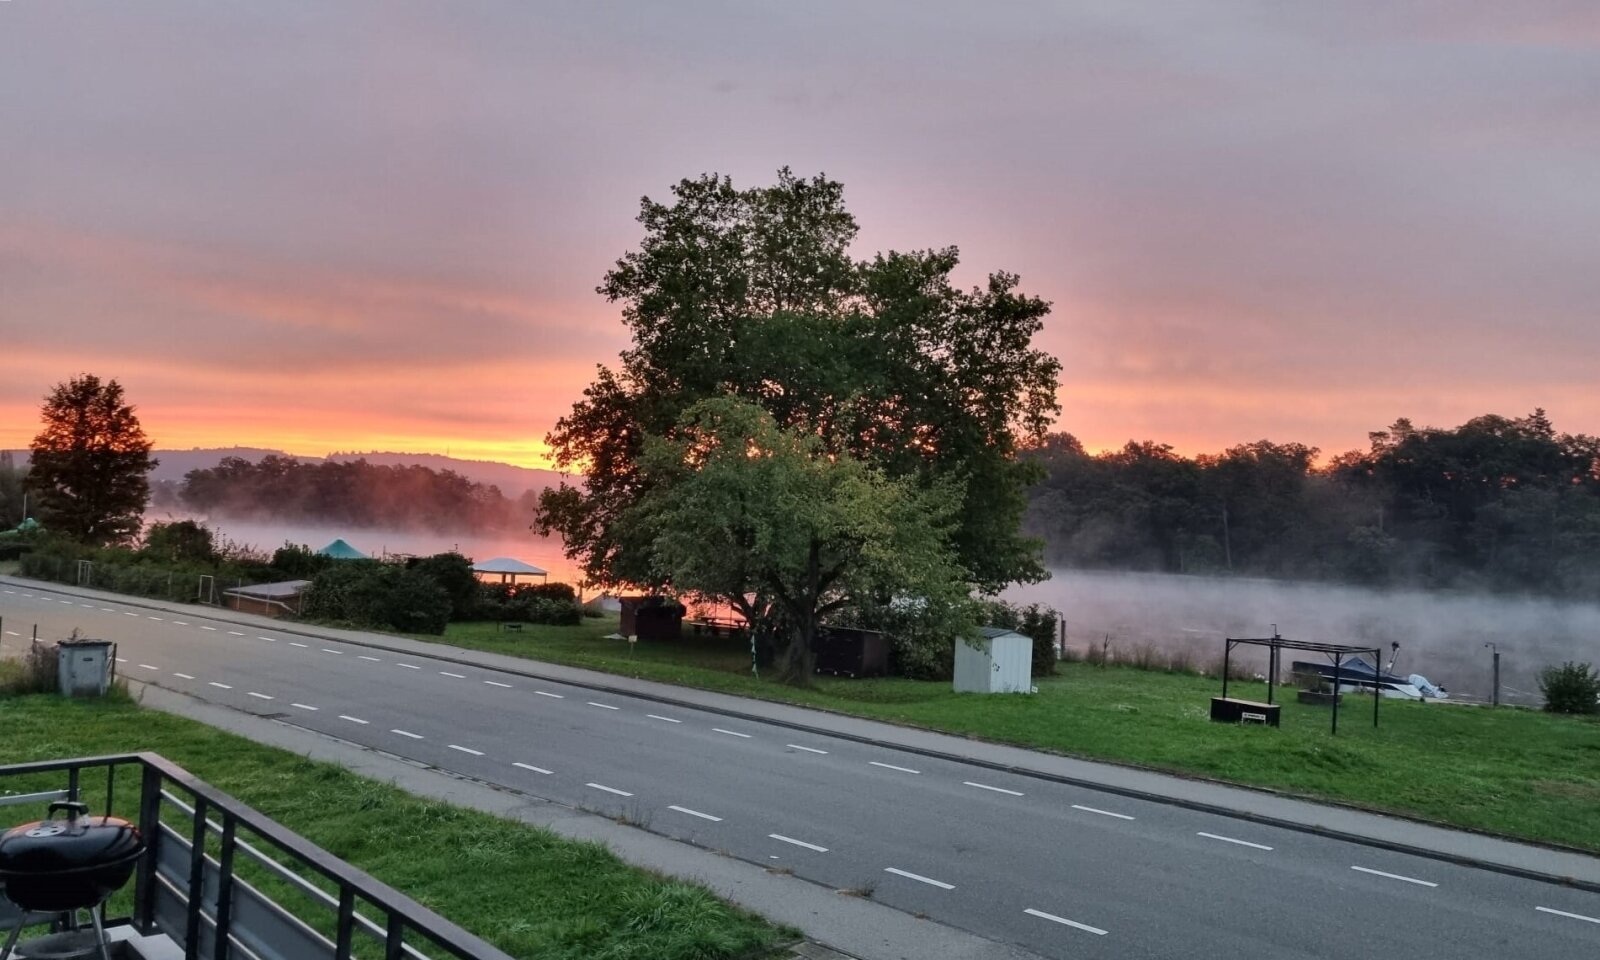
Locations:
(79, 842)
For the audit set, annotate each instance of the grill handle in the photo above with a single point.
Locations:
(73, 808)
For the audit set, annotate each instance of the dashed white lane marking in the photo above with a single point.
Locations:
(268, 639)
(1103, 813)
(475, 753)
(303, 706)
(447, 673)
(162, 619)
(496, 683)
(890, 766)
(181, 623)
(601, 786)
(204, 627)
(261, 696)
(300, 645)
(337, 653)
(1064, 922)
(220, 686)
(798, 843)
(657, 716)
(919, 877)
(1563, 913)
(529, 766)
(985, 786)
(408, 666)
(696, 813)
(129, 613)
(352, 719)
(1396, 876)
(407, 733)
(15, 634)
(365, 657)
(602, 706)
(235, 633)
(731, 733)
(1242, 843)
(544, 693)
(183, 675)
(797, 746)
(149, 666)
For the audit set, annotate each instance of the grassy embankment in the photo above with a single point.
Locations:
(526, 890)
(1509, 771)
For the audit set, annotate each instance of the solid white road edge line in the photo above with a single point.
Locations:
(1065, 922)
(797, 746)
(696, 813)
(731, 733)
(919, 877)
(529, 766)
(798, 843)
(890, 766)
(406, 733)
(1396, 876)
(1563, 913)
(1103, 813)
(601, 786)
(657, 716)
(985, 786)
(1242, 843)
(475, 753)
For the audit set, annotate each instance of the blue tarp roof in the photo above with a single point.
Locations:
(340, 550)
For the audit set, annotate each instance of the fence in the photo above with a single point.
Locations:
(215, 872)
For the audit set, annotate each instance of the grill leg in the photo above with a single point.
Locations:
(99, 932)
(11, 940)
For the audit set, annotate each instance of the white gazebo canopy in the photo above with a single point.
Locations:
(508, 569)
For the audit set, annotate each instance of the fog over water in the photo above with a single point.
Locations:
(1441, 635)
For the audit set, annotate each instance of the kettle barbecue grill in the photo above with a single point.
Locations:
(62, 866)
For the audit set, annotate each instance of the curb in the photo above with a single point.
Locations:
(1134, 793)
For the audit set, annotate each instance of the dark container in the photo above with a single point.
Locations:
(53, 866)
(843, 651)
(1229, 710)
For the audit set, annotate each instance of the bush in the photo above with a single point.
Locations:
(1034, 621)
(35, 672)
(372, 594)
(454, 573)
(296, 561)
(1570, 688)
(547, 603)
(181, 541)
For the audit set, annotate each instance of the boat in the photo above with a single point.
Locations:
(1357, 675)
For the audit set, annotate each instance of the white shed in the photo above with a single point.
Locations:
(995, 661)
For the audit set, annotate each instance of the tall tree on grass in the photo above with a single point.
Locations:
(739, 510)
(91, 462)
(753, 294)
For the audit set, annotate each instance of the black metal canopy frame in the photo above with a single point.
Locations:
(1337, 652)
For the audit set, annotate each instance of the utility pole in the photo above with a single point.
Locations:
(1495, 696)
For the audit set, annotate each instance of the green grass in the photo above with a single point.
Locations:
(1508, 771)
(524, 889)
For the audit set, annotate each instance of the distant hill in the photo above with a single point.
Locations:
(513, 481)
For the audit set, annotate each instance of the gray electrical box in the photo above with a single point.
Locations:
(84, 667)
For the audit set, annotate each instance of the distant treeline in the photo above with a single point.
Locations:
(355, 494)
(1496, 503)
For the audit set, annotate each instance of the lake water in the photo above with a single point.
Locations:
(1441, 635)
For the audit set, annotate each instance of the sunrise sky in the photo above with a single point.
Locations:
(378, 225)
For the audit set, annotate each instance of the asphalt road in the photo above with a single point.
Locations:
(1061, 870)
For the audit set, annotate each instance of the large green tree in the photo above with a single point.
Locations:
(740, 510)
(91, 462)
(754, 294)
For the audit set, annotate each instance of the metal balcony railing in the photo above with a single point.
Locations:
(217, 877)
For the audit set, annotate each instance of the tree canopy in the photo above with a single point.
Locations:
(753, 294)
(765, 519)
(90, 463)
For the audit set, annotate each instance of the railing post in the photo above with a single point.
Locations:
(144, 884)
(346, 928)
(394, 939)
(225, 887)
(197, 880)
